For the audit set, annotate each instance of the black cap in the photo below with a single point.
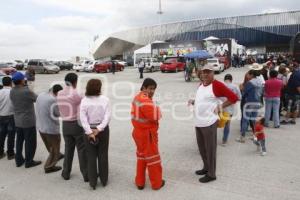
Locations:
(228, 77)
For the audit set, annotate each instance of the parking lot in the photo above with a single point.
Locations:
(241, 172)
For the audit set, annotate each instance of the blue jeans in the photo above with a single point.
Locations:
(272, 105)
(261, 143)
(27, 136)
(250, 112)
(7, 129)
(226, 131)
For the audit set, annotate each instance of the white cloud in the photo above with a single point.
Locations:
(17, 35)
(72, 23)
(51, 35)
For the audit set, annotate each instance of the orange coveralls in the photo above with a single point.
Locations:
(145, 116)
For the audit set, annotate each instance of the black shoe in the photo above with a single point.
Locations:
(201, 172)
(11, 157)
(20, 164)
(65, 177)
(86, 179)
(2, 155)
(53, 169)
(206, 179)
(284, 122)
(292, 122)
(276, 126)
(61, 156)
(33, 164)
(93, 187)
(140, 187)
(103, 183)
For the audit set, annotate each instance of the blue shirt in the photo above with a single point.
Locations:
(294, 83)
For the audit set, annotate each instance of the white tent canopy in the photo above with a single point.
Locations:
(211, 38)
(142, 52)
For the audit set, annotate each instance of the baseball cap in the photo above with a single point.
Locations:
(208, 67)
(18, 76)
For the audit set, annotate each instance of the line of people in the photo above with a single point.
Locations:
(85, 122)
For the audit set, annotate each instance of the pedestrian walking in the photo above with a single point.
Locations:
(141, 67)
(145, 120)
(68, 101)
(95, 114)
(230, 109)
(48, 125)
(7, 122)
(207, 106)
(113, 67)
(260, 138)
(23, 99)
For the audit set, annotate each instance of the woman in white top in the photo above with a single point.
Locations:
(95, 115)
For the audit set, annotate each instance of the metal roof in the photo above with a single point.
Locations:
(283, 24)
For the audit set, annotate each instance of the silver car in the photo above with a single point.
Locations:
(43, 66)
(151, 64)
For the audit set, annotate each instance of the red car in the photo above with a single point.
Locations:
(106, 67)
(173, 64)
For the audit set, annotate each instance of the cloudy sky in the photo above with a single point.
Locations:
(60, 29)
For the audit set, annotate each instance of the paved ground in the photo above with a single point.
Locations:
(241, 172)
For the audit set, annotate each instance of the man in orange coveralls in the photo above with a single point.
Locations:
(145, 116)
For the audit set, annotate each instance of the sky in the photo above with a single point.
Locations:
(61, 29)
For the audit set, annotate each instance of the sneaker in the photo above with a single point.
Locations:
(206, 179)
(33, 164)
(2, 155)
(240, 139)
(53, 169)
(277, 126)
(284, 122)
(201, 172)
(263, 153)
(292, 122)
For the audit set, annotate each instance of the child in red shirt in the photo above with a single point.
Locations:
(260, 137)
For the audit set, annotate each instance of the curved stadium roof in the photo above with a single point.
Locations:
(263, 29)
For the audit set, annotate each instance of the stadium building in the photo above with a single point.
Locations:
(264, 33)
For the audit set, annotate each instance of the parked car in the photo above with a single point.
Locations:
(5, 70)
(173, 64)
(124, 63)
(79, 67)
(63, 65)
(106, 67)
(17, 64)
(151, 64)
(218, 67)
(90, 67)
(42, 66)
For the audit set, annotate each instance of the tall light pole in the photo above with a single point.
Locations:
(160, 12)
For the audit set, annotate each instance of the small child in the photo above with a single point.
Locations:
(259, 138)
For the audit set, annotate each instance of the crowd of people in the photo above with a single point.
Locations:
(85, 120)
